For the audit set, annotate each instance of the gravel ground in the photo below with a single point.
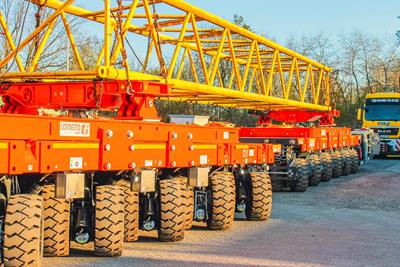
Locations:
(350, 221)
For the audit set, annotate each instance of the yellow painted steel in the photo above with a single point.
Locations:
(41, 46)
(220, 61)
(75, 146)
(10, 41)
(149, 146)
(72, 42)
(242, 147)
(3, 145)
(383, 95)
(204, 147)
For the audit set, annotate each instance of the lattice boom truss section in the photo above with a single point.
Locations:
(203, 58)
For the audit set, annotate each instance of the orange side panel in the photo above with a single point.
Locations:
(4, 156)
(24, 157)
(71, 156)
(324, 143)
(243, 154)
(265, 154)
(40, 144)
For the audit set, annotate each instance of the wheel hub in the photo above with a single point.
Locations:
(82, 236)
(149, 225)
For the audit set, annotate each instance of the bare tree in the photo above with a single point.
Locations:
(23, 17)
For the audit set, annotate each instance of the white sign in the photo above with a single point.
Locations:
(75, 163)
(312, 143)
(74, 129)
(226, 135)
(251, 153)
(203, 159)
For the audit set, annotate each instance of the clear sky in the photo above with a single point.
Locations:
(282, 18)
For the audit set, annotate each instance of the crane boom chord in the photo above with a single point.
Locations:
(210, 60)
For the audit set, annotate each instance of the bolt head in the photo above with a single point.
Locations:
(132, 165)
(107, 147)
(109, 133)
(129, 134)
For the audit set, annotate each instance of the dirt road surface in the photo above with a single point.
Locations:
(350, 221)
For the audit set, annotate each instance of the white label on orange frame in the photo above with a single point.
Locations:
(74, 129)
(203, 159)
(251, 153)
(75, 163)
(226, 135)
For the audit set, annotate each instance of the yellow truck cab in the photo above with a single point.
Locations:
(381, 113)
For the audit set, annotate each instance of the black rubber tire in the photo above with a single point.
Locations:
(337, 164)
(131, 212)
(23, 231)
(188, 203)
(327, 167)
(259, 202)
(223, 198)
(302, 174)
(316, 174)
(172, 211)
(109, 221)
(356, 161)
(56, 222)
(347, 162)
(277, 185)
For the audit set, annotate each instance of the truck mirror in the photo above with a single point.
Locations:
(359, 114)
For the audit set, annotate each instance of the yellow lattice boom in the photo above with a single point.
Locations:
(204, 58)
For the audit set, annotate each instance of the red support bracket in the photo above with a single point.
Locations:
(28, 97)
(138, 108)
(325, 118)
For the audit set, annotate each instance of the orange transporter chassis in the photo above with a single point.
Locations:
(309, 154)
(33, 144)
(112, 177)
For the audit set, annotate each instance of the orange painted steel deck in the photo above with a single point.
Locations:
(309, 139)
(39, 144)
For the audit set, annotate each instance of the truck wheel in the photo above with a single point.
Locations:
(327, 167)
(277, 185)
(315, 177)
(23, 231)
(356, 161)
(188, 202)
(337, 164)
(109, 221)
(347, 162)
(301, 173)
(259, 203)
(131, 212)
(223, 195)
(56, 221)
(172, 211)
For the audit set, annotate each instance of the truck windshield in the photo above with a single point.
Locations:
(382, 112)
